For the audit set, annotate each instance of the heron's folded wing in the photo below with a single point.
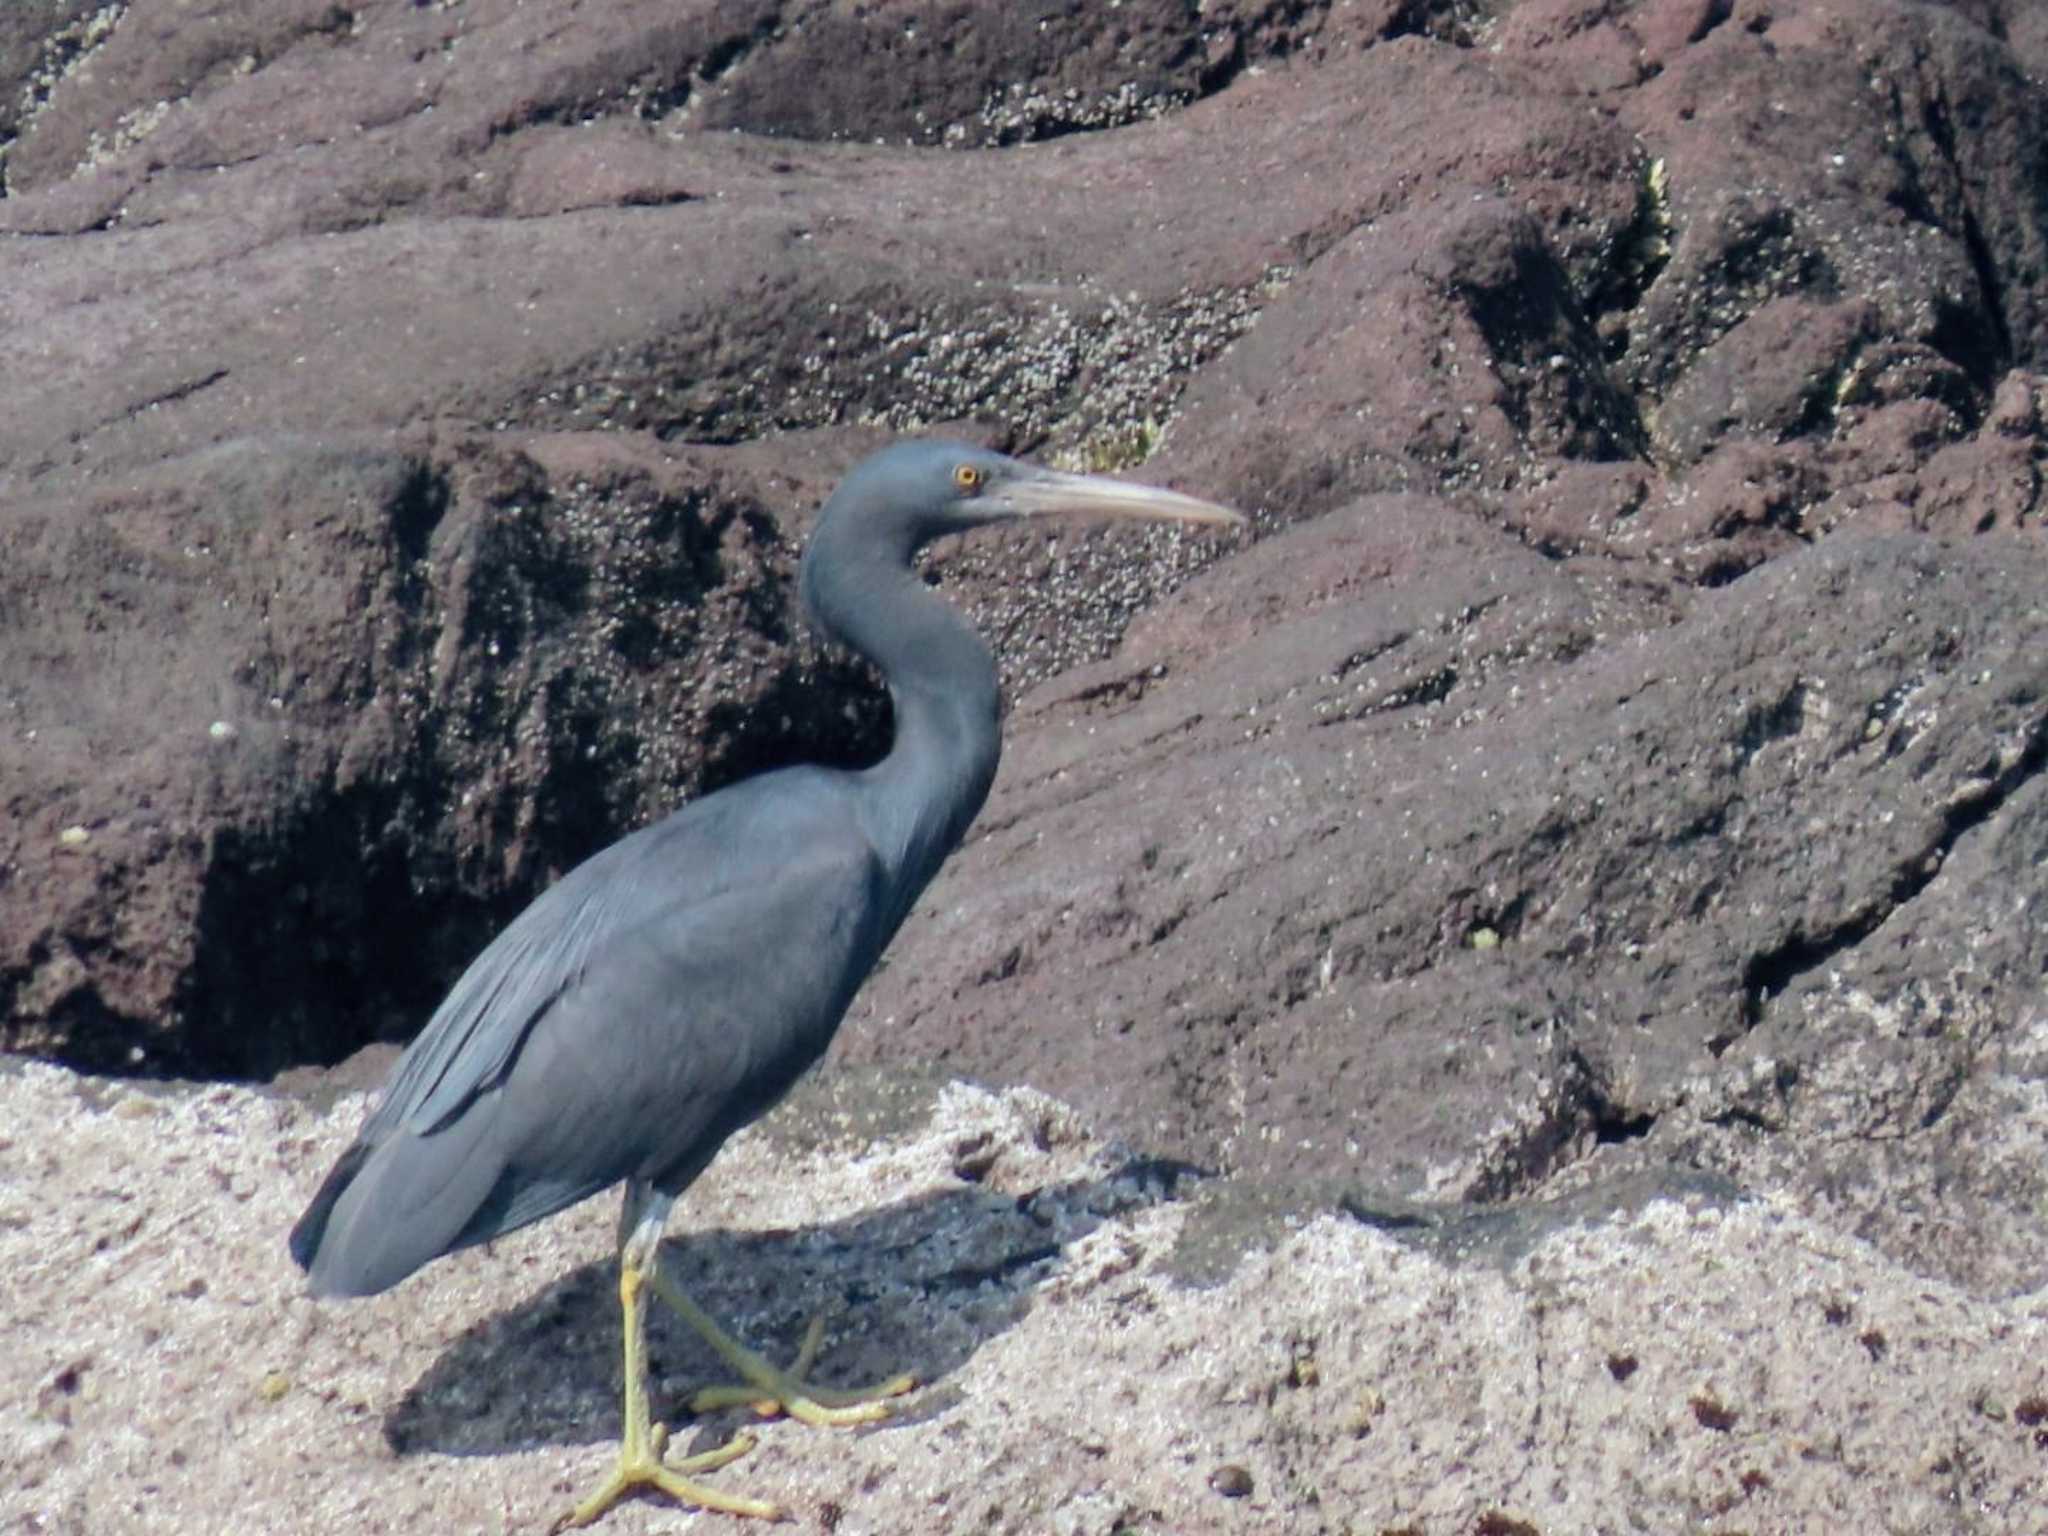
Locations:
(759, 836)
(678, 1035)
(684, 1016)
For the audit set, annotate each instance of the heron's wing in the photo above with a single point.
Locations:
(480, 1026)
(692, 858)
(679, 1034)
(632, 1022)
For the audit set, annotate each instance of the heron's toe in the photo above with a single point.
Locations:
(771, 1392)
(642, 1467)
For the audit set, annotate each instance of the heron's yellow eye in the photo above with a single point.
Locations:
(967, 477)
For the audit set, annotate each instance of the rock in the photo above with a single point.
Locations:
(1098, 1338)
(1275, 931)
(1596, 817)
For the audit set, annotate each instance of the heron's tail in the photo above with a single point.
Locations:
(394, 1203)
(312, 1227)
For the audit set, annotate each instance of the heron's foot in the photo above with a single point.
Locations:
(771, 1392)
(641, 1466)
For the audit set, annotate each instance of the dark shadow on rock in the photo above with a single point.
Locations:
(921, 1284)
(1233, 1217)
(1501, 1236)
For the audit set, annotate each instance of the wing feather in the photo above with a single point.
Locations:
(656, 999)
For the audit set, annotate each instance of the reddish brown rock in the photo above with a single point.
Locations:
(408, 417)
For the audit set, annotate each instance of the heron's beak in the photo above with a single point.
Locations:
(1042, 491)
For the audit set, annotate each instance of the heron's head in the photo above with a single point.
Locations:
(911, 493)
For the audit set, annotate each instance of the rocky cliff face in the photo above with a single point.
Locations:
(1621, 748)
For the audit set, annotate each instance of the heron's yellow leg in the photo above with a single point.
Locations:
(768, 1388)
(640, 1447)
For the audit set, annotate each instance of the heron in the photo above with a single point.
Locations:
(672, 988)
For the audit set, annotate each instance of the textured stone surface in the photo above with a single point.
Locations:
(1611, 780)
(445, 354)
(1102, 1340)
(1482, 892)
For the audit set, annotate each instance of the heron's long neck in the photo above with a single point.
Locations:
(917, 802)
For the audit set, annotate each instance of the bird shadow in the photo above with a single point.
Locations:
(917, 1286)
